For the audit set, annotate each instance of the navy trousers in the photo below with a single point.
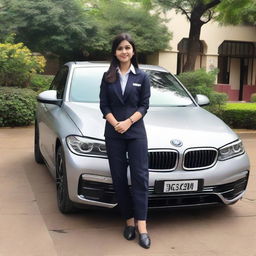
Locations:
(132, 202)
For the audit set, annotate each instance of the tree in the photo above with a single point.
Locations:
(115, 16)
(81, 29)
(61, 27)
(198, 13)
(244, 14)
(17, 64)
(202, 82)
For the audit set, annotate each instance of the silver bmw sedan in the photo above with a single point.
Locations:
(194, 157)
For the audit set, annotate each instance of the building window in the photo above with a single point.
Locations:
(230, 50)
(224, 69)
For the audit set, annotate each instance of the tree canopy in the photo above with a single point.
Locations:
(113, 17)
(76, 29)
(237, 12)
(57, 26)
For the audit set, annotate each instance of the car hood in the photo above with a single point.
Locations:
(193, 126)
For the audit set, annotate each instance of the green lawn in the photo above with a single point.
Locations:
(240, 106)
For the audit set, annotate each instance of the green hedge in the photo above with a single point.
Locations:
(253, 97)
(40, 83)
(17, 106)
(202, 82)
(240, 115)
(17, 64)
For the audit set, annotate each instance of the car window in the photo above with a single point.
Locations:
(165, 89)
(59, 82)
(85, 85)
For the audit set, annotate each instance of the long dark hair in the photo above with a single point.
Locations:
(111, 74)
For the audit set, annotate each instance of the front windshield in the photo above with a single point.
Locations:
(165, 90)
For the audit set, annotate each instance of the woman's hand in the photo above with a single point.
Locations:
(123, 126)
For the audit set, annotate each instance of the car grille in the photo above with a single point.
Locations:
(178, 201)
(199, 158)
(162, 160)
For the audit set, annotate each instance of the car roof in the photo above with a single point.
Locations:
(106, 64)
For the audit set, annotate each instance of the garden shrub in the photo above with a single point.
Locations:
(17, 106)
(240, 115)
(17, 64)
(202, 82)
(253, 97)
(40, 83)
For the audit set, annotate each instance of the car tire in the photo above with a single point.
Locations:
(37, 152)
(65, 205)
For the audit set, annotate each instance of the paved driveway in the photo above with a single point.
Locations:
(30, 223)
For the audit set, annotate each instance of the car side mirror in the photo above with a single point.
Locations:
(202, 100)
(49, 97)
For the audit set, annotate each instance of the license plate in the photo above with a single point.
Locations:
(180, 186)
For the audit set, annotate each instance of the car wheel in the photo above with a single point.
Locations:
(65, 205)
(37, 152)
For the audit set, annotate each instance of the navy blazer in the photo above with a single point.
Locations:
(135, 98)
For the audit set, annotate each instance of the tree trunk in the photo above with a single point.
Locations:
(195, 30)
(193, 42)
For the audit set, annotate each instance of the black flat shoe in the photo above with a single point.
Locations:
(144, 240)
(129, 232)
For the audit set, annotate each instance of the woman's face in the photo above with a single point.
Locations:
(124, 52)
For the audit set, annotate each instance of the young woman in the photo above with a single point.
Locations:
(124, 100)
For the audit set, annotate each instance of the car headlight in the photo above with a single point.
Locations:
(231, 150)
(86, 146)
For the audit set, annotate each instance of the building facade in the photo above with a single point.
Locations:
(231, 49)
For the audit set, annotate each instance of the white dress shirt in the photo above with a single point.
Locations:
(124, 78)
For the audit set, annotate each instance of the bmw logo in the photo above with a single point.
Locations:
(176, 143)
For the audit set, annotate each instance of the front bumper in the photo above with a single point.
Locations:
(90, 183)
(98, 191)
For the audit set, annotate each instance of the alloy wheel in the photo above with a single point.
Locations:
(60, 178)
